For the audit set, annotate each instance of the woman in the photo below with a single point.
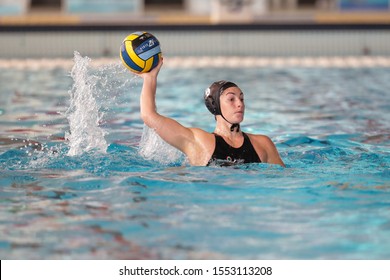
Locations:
(227, 145)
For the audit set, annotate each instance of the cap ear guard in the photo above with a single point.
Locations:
(210, 102)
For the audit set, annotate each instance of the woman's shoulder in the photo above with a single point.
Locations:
(266, 149)
(201, 135)
(200, 150)
(199, 131)
(259, 137)
(261, 140)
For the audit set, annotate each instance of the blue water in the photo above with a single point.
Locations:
(124, 194)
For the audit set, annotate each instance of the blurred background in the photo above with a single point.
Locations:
(55, 28)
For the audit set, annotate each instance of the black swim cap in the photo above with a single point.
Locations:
(212, 94)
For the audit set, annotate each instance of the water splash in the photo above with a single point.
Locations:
(152, 147)
(89, 103)
(83, 113)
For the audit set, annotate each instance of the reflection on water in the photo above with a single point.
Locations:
(140, 199)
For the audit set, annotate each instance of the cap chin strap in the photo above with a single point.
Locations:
(233, 125)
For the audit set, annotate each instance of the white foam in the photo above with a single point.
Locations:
(83, 112)
(152, 147)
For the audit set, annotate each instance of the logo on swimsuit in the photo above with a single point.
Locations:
(230, 160)
(225, 162)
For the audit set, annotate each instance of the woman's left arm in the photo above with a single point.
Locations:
(271, 153)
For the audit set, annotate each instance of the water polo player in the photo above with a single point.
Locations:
(227, 145)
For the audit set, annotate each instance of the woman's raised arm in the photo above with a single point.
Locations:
(168, 129)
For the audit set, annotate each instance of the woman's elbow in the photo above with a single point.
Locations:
(146, 118)
(150, 119)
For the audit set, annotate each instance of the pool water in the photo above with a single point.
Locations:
(82, 178)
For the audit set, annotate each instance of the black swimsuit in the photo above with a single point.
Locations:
(224, 154)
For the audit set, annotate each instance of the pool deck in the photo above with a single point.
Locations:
(56, 18)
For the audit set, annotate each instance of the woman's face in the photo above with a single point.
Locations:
(232, 104)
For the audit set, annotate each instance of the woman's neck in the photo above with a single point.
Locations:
(224, 129)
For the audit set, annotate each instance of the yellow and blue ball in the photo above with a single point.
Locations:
(140, 52)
